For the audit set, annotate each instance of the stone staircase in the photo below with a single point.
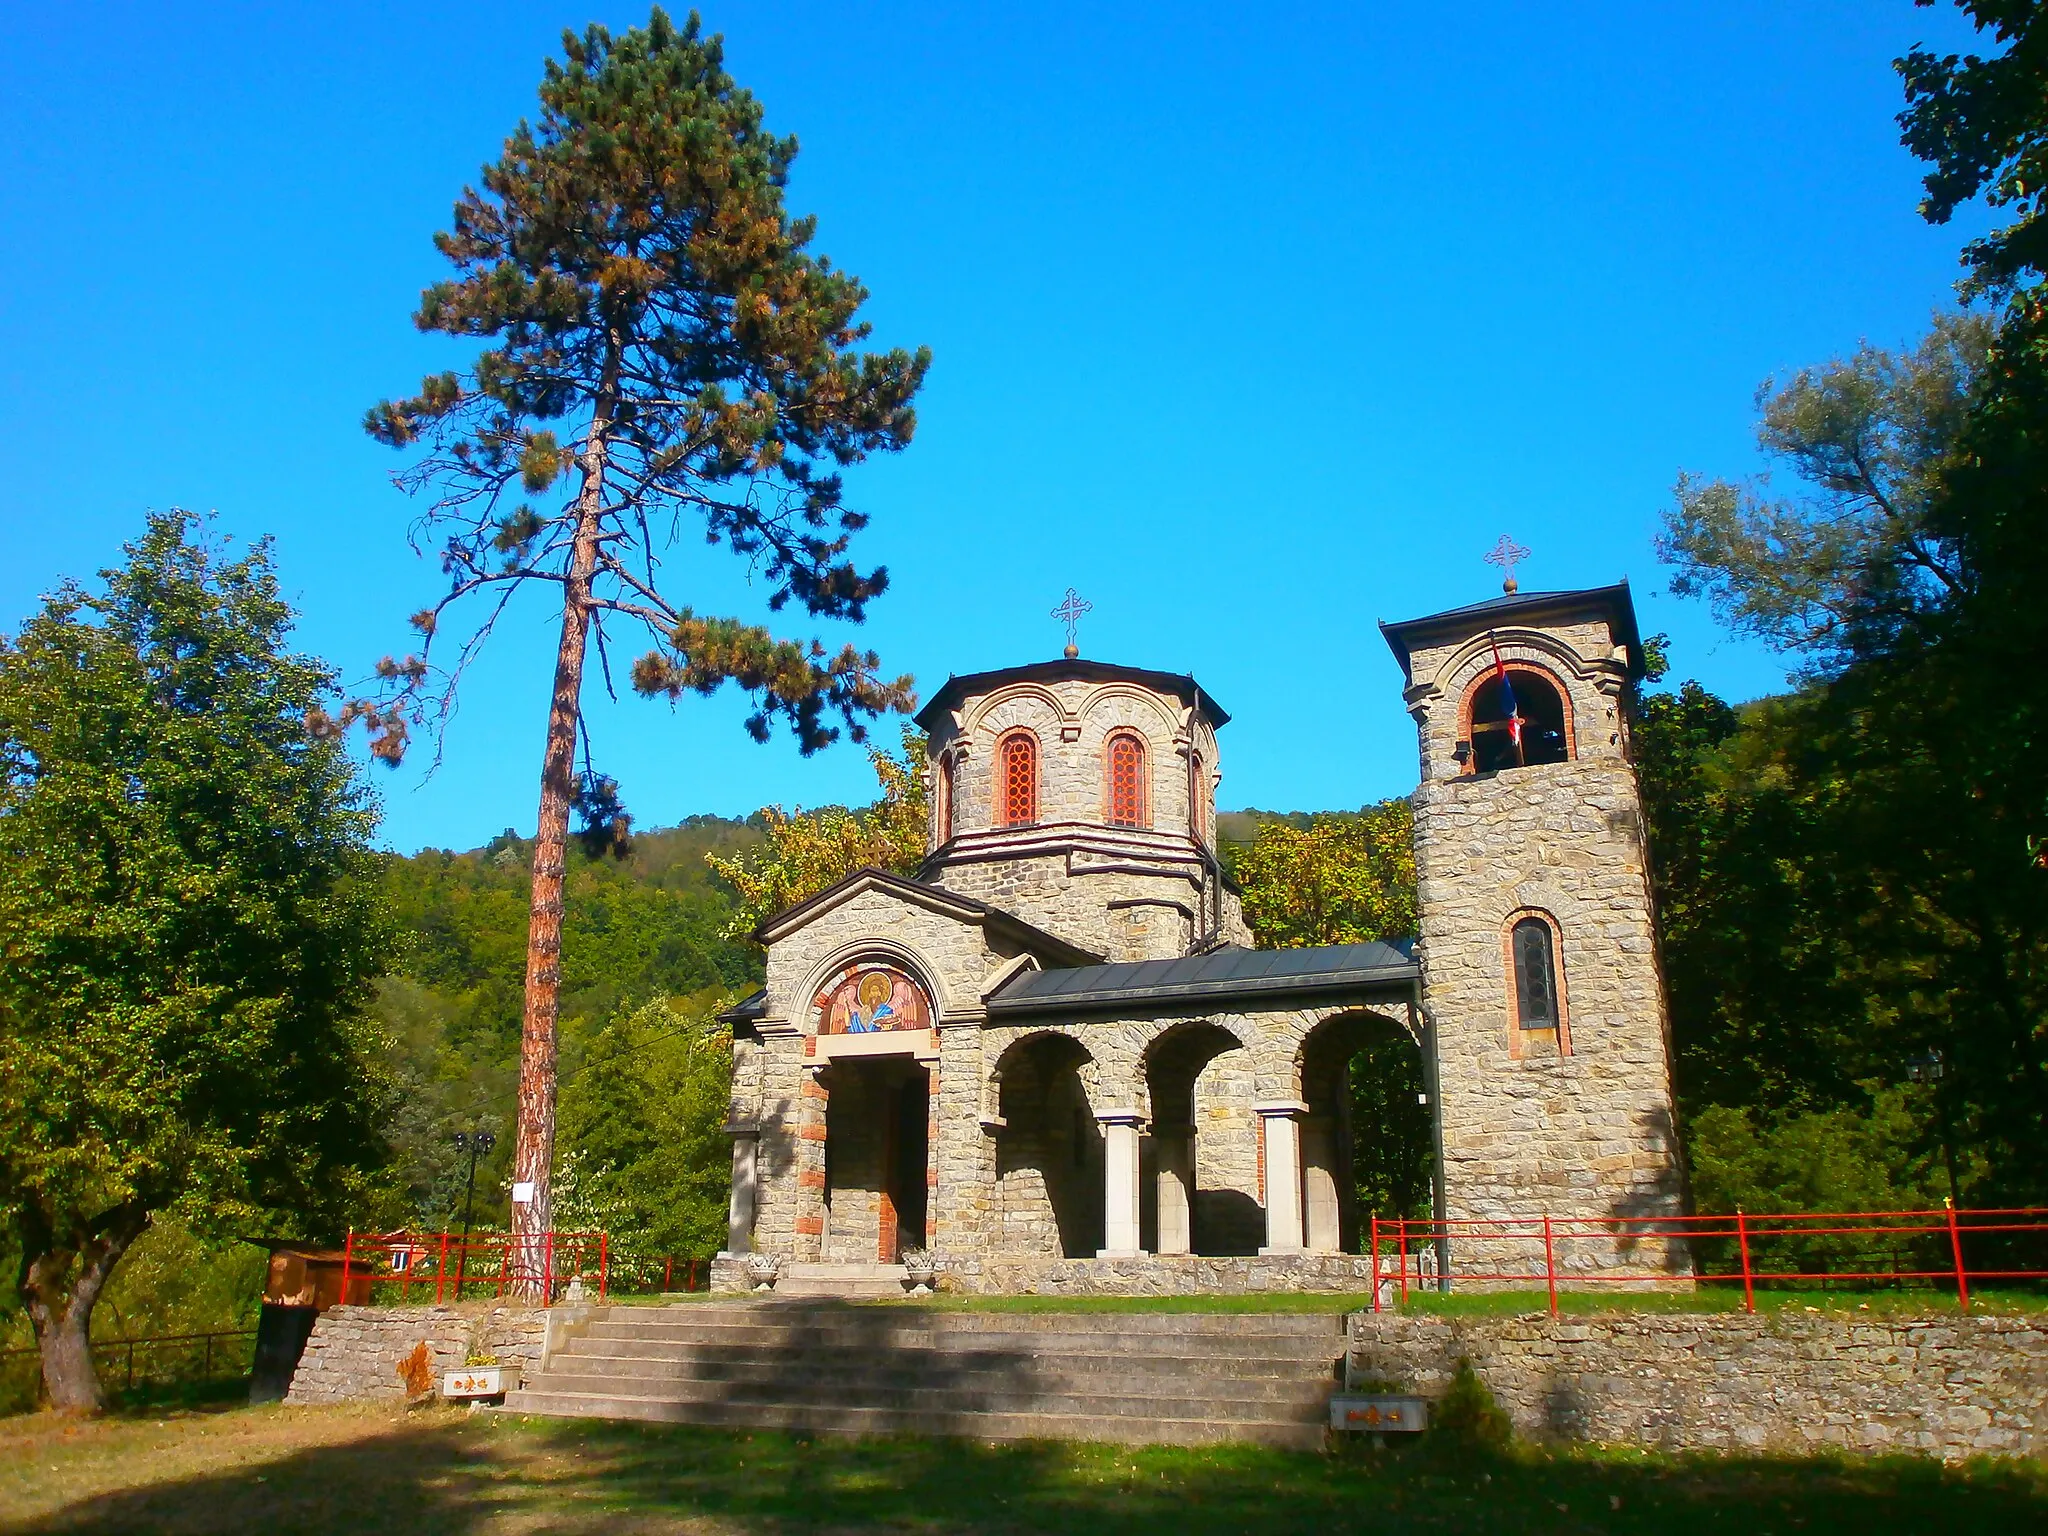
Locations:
(1178, 1378)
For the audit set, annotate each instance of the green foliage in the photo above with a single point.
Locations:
(812, 850)
(1468, 1417)
(1857, 555)
(190, 926)
(645, 1115)
(642, 929)
(1342, 878)
(1979, 120)
(1856, 873)
(1393, 1148)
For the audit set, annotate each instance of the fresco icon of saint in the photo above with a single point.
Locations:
(872, 998)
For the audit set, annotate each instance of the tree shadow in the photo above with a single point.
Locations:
(494, 1473)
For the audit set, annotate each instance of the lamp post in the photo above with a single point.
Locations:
(1929, 1068)
(476, 1143)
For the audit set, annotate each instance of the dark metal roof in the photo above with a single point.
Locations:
(1186, 689)
(1221, 975)
(747, 1009)
(1613, 603)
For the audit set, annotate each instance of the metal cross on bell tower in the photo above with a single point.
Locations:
(1507, 554)
(1071, 607)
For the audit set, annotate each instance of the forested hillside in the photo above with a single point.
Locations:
(651, 928)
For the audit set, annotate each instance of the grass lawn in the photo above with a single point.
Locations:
(358, 1469)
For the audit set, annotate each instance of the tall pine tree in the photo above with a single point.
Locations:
(662, 353)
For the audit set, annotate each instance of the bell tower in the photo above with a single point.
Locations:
(1541, 981)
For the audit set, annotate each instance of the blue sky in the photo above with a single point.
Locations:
(1256, 329)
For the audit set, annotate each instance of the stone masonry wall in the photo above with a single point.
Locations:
(354, 1352)
(1781, 1382)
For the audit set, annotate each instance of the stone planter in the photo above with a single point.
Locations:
(762, 1268)
(920, 1270)
(473, 1383)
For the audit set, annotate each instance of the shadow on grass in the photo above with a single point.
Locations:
(496, 1473)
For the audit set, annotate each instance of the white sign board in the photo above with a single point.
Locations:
(522, 1192)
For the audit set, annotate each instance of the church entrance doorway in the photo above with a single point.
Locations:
(877, 1159)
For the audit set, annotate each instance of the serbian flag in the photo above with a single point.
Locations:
(1507, 698)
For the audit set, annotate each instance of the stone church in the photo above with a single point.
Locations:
(1052, 1060)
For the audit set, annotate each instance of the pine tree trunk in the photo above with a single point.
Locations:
(60, 1288)
(533, 1149)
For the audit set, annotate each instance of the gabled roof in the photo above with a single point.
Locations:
(1612, 603)
(1049, 948)
(1186, 689)
(1221, 975)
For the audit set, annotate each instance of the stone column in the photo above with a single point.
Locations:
(739, 1216)
(1280, 1125)
(1120, 1184)
(1174, 1148)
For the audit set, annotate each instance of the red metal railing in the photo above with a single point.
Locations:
(1806, 1248)
(403, 1266)
(453, 1267)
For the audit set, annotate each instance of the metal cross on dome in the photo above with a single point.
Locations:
(1506, 554)
(1071, 607)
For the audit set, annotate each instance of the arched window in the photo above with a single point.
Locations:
(1518, 721)
(1198, 799)
(1538, 984)
(1127, 781)
(946, 766)
(1017, 780)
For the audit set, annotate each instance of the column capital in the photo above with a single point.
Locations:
(1120, 1116)
(1271, 1107)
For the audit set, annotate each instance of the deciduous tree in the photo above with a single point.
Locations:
(661, 352)
(810, 850)
(187, 929)
(1343, 878)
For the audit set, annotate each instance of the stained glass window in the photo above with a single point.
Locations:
(1017, 779)
(1126, 781)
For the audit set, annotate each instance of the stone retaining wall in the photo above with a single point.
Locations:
(354, 1352)
(1788, 1382)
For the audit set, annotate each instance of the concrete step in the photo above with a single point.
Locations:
(1256, 1382)
(1014, 1344)
(908, 1333)
(1087, 1356)
(821, 1419)
(813, 1313)
(1308, 1404)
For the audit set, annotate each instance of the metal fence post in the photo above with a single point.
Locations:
(547, 1271)
(1401, 1237)
(348, 1250)
(1549, 1263)
(1742, 1241)
(603, 1262)
(1375, 1261)
(1955, 1243)
(668, 1274)
(441, 1270)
